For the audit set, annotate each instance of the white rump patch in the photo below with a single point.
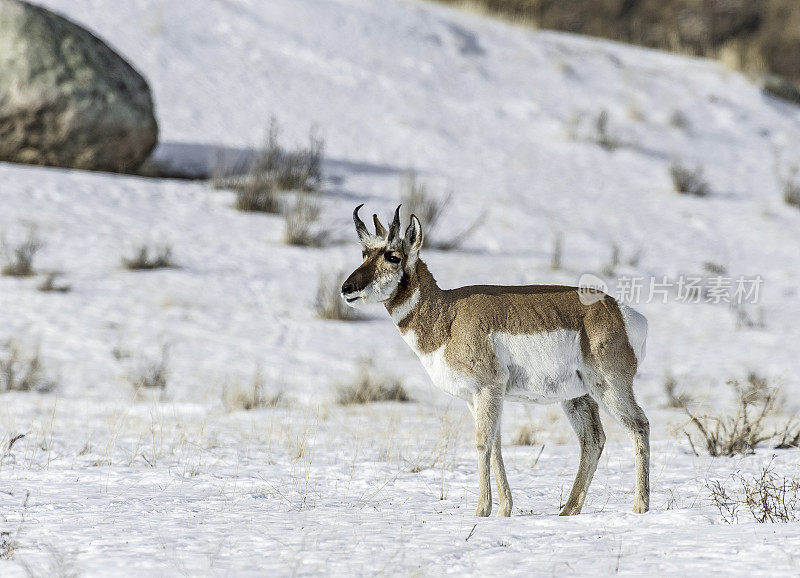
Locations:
(404, 309)
(636, 328)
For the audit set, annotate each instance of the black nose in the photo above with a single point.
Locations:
(348, 287)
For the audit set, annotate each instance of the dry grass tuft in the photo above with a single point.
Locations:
(258, 194)
(745, 319)
(768, 497)
(19, 259)
(789, 437)
(153, 374)
(688, 181)
(50, 285)
(273, 169)
(791, 186)
(602, 135)
(146, 258)
(791, 194)
(236, 398)
(329, 303)
(370, 387)
(610, 268)
(674, 399)
(524, 436)
(300, 223)
(21, 372)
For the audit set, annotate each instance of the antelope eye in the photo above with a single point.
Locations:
(394, 259)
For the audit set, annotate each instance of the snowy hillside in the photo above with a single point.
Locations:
(507, 119)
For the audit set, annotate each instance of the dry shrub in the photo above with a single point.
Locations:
(791, 194)
(746, 319)
(371, 387)
(19, 259)
(258, 194)
(329, 303)
(688, 181)
(595, 128)
(737, 434)
(524, 436)
(674, 399)
(300, 169)
(768, 497)
(145, 258)
(23, 372)
(301, 223)
(153, 374)
(610, 268)
(49, 284)
(273, 169)
(240, 398)
(602, 134)
(429, 210)
(791, 186)
(789, 436)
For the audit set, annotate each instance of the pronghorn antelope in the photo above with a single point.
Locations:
(533, 343)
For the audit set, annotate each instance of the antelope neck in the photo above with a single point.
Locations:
(413, 289)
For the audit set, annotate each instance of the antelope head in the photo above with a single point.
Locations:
(388, 255)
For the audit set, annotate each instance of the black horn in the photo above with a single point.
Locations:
(380, 230)
(394, 228)
(361, 228)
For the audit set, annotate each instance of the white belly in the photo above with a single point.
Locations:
(542, 367)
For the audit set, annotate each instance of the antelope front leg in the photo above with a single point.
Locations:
(486, 411)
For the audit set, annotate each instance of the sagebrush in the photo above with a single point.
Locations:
(687, 180)
(674, 399)
(237, 397)
(152, 373)
(19, 258)
(21, 370)
(146, 258)
(791, 186)
(51, 285)
(524, 436)
(273, 168)
(370, 387)
(301, 226)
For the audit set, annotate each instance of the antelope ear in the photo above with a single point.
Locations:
(413, 238)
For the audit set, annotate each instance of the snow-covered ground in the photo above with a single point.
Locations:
(502, 116)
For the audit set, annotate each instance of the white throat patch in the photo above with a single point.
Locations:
(404, 309)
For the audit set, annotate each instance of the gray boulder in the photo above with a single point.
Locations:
(66, 98)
